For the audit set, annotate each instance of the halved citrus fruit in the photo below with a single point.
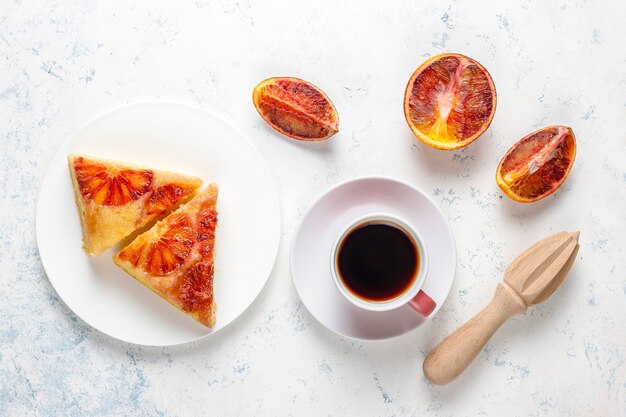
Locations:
(296, 108)
(538, 164)
(449, 101)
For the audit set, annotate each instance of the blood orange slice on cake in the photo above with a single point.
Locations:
(175, 257)
(115, 199)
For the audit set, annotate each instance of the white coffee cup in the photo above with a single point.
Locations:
(413, 295)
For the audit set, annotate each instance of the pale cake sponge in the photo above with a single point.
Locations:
(175, 257)
(115, 199)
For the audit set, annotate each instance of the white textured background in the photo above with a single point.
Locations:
(63, 63)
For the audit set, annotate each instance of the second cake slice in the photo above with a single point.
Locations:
(175, 257)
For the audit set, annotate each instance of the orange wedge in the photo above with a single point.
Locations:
(538, 164)
(296, 108)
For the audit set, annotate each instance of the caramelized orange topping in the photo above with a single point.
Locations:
(166, 254)
(196, 287)
(166, 196)
(110, 186)
(205, 228)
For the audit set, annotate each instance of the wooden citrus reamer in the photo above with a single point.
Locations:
(530, 279)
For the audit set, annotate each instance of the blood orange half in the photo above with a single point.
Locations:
(538, 164)
(449, 101)
(296, 108)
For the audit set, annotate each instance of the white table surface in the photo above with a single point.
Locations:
(63, 63)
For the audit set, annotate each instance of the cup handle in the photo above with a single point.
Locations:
(422, 303)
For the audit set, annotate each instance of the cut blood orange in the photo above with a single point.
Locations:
(538, 164)
(115, 199)
(175, 257)
(449, 101)
(296, 108)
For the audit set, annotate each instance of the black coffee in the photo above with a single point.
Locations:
(377, 261)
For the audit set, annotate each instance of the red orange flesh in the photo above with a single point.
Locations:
(196, 289)
(537, 165)
(109, 186)
(449, 101)
(166, 196)
(169, 252)
(296, 108)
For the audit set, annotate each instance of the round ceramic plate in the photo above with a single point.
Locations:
(181, 139)
(329, 215)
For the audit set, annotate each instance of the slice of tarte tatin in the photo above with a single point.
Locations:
(175, 257)
(115, 199)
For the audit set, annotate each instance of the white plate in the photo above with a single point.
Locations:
(329, 215)
(182, 139)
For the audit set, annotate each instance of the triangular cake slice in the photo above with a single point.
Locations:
(175, 257)
(114, 199)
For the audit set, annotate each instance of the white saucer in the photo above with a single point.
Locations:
(329, 215)
(181, 139)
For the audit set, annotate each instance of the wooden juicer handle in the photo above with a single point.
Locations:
(530, 279)
(450, 357)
